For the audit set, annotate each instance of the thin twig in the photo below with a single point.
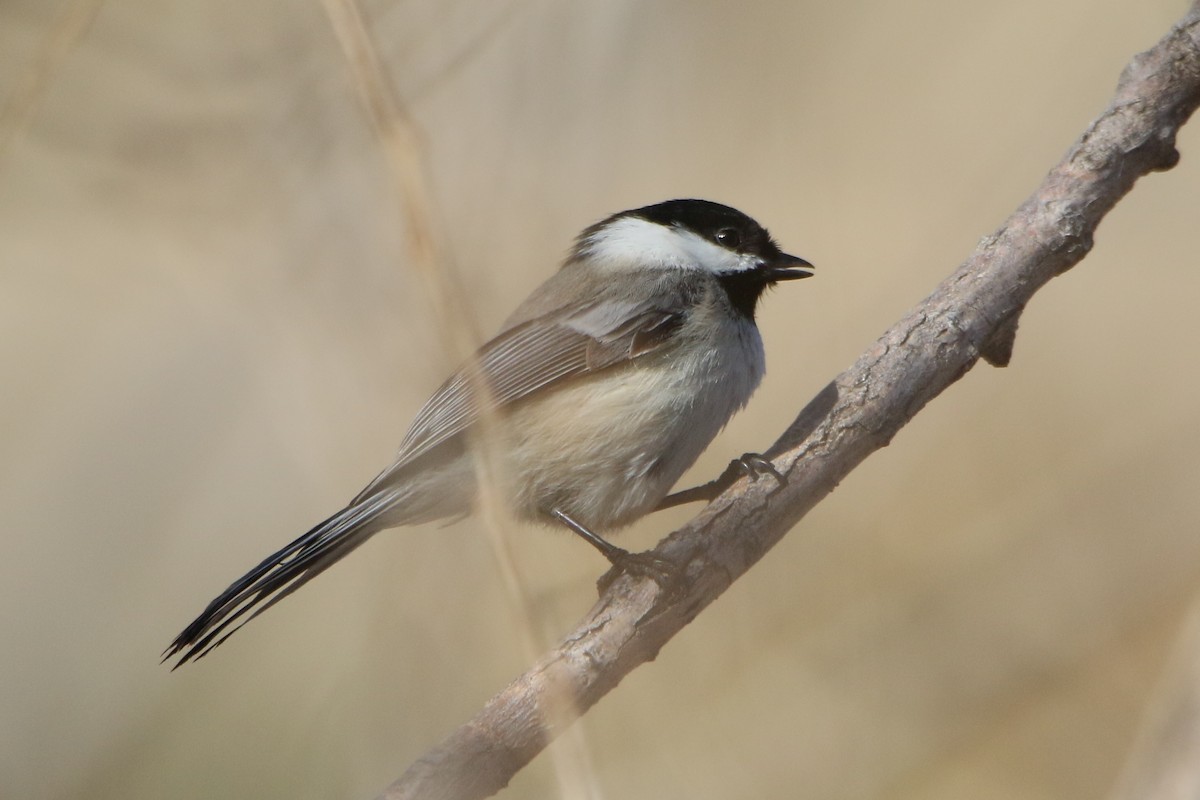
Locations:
(401, 144)
(972, 314)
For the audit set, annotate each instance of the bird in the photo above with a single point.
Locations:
(598, 393)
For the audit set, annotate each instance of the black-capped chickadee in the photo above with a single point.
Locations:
(604, 386)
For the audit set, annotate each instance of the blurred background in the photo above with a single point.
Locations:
(212, 340)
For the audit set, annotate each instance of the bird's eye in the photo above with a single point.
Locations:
(729, 237)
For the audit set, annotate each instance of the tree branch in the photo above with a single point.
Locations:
(972, 314)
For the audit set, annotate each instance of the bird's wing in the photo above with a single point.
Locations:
(530, 357)
(524, 359)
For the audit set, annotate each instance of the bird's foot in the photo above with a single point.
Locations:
(754, 466)
(639, 565)
(642, 565)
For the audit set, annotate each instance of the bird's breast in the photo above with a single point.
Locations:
(607, 448)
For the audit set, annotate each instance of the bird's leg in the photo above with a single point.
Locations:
(647, 565)
(607, 549)
(752, 465)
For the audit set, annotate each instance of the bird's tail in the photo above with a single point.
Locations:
(279, 575)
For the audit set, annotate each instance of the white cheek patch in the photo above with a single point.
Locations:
(632, 242)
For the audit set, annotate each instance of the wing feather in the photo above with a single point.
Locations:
(530, 357)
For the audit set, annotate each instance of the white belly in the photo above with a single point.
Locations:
(607, 449)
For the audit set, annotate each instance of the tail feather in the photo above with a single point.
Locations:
(279, 574)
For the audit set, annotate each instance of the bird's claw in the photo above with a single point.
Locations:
(754, 465)
(640, 565)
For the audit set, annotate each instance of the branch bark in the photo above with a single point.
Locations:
(972, 314)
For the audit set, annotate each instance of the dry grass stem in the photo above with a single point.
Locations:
(401, 144)
(66, 33)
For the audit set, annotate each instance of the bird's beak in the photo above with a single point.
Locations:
(788, 268)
